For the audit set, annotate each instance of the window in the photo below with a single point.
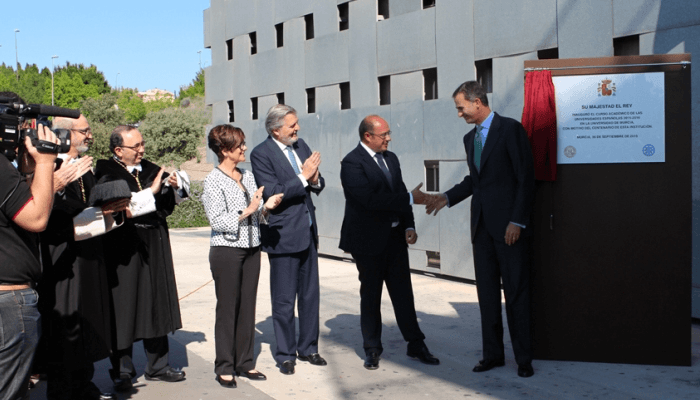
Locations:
(430, 88)
(548, 54)
(345, 96)
(279, 30)
(253, 43)
(433, 259)
(280, 98)
(384, 90)
(432, 176)
(229, 49)
(484, 74)
(254, 108)
(626, 46)
(343, 15)
(309, 22)
(311, 100)
(230, 111)
(428, 3)
(382, 10)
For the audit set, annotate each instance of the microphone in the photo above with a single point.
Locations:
(55, 111)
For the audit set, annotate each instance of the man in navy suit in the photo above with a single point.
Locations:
(377, 228)
(283, 163)
(501, 182)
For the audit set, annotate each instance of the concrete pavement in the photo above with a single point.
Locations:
(448, 313)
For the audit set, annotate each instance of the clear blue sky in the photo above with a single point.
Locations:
(149, 43)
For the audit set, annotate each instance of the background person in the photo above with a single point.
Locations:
(233, 203)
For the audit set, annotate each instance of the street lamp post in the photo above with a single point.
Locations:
(117, 82)
(52, 58)
(16, 55)
(200, 58)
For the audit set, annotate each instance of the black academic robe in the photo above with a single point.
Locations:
(73, 291)
(140, 263)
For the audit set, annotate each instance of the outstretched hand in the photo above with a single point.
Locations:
(436, 203)
(419, 197)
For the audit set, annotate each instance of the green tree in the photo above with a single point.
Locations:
(132, 104)
(103, 117)
(74, 83)
(173, 134)
(194, 89)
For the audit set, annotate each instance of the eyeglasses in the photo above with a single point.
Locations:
(86, 131)
(240, 146)
(136, 146)
(383, 135)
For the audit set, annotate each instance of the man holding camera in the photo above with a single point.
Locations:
(140, 262)
(24, 211)
(73, 291)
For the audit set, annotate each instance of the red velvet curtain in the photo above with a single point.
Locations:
(540, 122)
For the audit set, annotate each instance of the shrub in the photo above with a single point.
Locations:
(190, 213)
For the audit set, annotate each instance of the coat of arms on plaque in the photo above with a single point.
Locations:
(606, 88)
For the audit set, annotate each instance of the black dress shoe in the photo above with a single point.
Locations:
(314, 359)
(170, 375)
(423, 354)
(287, 367)
(525, 370)
(227, 384)
(372, 361)
(485, 365)
(123, 383)
(254, 376)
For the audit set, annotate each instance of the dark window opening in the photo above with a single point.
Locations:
(345, 96)
(253, 43)
(254, 108)
(432, 176)
(484, 74)
(430, 88)
(548, 54)
(231, 117)
(626, 46)
(382, 10)
(433, 259)
(309, 22)
(343, 17)
(428, 3)
(279, 30)
(280, 98)
(229, 49)
(384, 90)
(311, 100)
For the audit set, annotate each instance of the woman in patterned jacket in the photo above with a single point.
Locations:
(234, 207)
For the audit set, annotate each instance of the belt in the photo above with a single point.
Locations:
(13, 286)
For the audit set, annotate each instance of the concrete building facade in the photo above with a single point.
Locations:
(337, 61)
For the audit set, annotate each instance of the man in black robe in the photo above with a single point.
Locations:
(140, 262)
(73, 291)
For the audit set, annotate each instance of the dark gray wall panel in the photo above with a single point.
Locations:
(454, 37)
(218, 82)
(240, 74)
(509, 85)
(400, 49)
(427, 226)
(325, 18)
(641, 16)
(503, 27)
(407, 87)
(327, 59)
(328, 99)
(286, 10)
(294, 65)
(207, 28)
(264, 104)
(329, 246)
(265, 25)
(443, 131)
(456, 257)
(329, 211)
(407, 140)
(267, 73)
(585, 28)
(217, 29)
(240, 17)
(362, 51)
(401, 7)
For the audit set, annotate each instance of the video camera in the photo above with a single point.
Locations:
(12, 116)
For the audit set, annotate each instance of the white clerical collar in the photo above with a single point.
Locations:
(129, 168)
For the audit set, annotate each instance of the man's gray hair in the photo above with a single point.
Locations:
(275, 117)
(62, 123)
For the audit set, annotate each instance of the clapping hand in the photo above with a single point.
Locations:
(273, 201)
(69, 172)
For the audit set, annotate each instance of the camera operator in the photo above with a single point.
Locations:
(24, 211)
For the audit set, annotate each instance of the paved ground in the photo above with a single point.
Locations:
(448, 314)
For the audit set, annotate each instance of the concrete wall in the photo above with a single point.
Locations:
(450, 37)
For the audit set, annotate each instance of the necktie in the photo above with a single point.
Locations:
(382, 166)
(293, 160)
(478, 147)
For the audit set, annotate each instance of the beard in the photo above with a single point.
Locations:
(82, 148)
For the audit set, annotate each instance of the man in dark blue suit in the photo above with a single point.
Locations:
(501, 182)
(283, 163)
(377, 228)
